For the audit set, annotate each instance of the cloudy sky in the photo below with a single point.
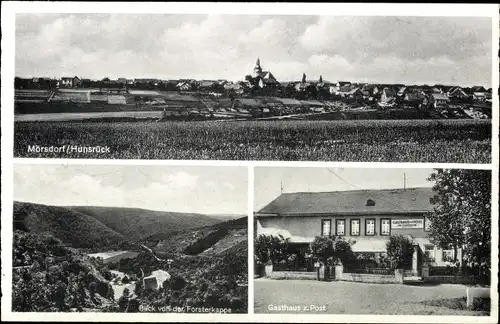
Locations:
(206, 190)
(268, 180)
(451, 50)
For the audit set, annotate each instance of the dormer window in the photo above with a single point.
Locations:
(370, 202)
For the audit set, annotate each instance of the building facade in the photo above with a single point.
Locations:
(368, 217)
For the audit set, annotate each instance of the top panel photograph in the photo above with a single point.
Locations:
(253, 87)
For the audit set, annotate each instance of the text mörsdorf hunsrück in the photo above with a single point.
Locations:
(68, 149)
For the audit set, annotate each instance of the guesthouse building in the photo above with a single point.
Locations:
(368, 217)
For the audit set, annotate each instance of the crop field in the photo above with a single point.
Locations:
(451, 141)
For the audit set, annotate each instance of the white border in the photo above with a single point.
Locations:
(7, 94)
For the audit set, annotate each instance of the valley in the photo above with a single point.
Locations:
(109, 259)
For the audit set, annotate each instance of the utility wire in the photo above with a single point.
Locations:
(370, 192)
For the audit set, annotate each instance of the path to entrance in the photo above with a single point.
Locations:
(353, 298)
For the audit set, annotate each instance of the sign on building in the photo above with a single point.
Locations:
(407, 223)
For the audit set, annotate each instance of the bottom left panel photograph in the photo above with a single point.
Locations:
(113, 238)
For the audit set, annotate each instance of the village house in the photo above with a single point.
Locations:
(457, 94)
(207, 85)
(369, 217)
(183, 86)
(439, 100)
(155, 280)
(341, 88)
(237, 88)
(415, 98)
(480, 89)
(69, 82)
(479, 96)
(372, 89)
(388, 97)
(355, 94)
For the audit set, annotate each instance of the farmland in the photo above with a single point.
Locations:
(451, 141)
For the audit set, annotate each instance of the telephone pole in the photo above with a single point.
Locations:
(404, 181)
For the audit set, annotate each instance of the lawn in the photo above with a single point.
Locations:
(445, 141)
(359, 298)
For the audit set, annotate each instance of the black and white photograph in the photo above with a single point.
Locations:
(135, 239)
(386, 241)
(249, 162)
(253, 87)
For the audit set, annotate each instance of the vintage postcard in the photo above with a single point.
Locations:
(248, 162)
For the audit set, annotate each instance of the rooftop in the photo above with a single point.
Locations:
(386, 201)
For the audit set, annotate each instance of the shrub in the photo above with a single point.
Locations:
(337, 249)
(271, 248)
(399, 251)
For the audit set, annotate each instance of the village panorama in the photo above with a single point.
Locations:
(259, 96)
(259, 118)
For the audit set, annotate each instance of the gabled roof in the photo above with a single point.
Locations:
(387, 201)
(414, 96)
(368, 87)
(345, 88)
(478, 89)
(439, 96)
(457, 91)
(207, 83)
(353, 91)
(388, 92)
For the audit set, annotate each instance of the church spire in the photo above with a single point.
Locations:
(257, 70)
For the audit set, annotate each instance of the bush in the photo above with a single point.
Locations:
(270, 248)
(399, 251)
(337, 249)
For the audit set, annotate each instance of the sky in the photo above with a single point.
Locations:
(205, 190)
(410, 50)
(268, 180)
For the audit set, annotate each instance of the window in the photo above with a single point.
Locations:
(385, 226)
(370, 202)
(448, 255)
(326, 227)
(370, 226)
(340, 226)
(354, 227)
(429, 251)
(427, 224)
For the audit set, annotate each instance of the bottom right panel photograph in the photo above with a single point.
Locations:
(388, 241)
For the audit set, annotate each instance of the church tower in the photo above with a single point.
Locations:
(257, 70)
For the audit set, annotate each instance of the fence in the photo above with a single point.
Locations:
(378, 271)
(443, 271)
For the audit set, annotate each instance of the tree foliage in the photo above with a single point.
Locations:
(400, 251)
(335, 248)
(462, 215)
(271, 247)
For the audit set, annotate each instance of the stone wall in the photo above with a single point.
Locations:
(449, 280)
(368, 278)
